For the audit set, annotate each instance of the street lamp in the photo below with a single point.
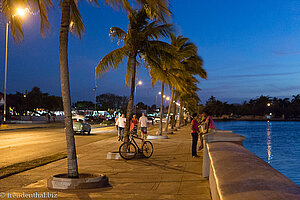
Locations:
(159, 93)
(19, 12)
(138, 83)
(167, 98)
(95, 88)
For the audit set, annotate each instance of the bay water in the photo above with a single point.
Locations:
(276, 142)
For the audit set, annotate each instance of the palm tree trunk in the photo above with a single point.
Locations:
(174, 112)
(179, 117)
(161, 108)
(65, 89)
(181, 114)
(169, 109)
(130, 102)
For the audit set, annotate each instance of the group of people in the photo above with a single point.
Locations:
(200, 125)
(142, 122)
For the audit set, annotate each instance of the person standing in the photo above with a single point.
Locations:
(116, 120)
(143, 124)
(195, 130)
(121, 126)
(209, 123)
(133, 124)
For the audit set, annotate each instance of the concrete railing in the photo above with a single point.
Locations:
(235, 173)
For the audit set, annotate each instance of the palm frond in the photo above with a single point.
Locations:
(119, 4)
(117, 32)
(157, 9)
(155, 31)
(76, 24)
(42, 7)
(8, 8)
(111, 60)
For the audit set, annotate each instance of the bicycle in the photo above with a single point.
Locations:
(128, 150)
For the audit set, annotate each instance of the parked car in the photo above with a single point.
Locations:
(157, 119)
(150, 120)
(81, 126)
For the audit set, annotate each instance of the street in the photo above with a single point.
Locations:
(26, 144)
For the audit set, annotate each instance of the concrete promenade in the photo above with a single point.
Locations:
(171, 173)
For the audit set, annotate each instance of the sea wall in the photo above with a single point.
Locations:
(235, 173)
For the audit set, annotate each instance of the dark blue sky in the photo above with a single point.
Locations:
(249, 48)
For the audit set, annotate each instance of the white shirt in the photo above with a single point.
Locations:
(121, 122)
(143, 120)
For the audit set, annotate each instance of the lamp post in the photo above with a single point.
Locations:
(159, 93)
(95, 88)
(167, 99)
(139, 83)
(19, 12)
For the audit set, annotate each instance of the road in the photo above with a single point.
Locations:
(27, 144)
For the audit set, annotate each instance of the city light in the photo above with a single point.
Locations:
(167, 98)
(159, 93)
(164, 96)
(140, 83)
(268, 104)
(20, 12)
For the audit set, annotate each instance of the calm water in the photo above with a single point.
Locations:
(277, 143)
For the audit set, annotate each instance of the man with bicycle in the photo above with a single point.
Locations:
(143, 124)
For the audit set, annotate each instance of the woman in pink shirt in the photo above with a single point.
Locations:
(209, 122)
(195, 130)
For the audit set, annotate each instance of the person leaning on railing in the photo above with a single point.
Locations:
(207, 125)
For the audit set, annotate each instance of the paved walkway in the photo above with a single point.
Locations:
(171, 173)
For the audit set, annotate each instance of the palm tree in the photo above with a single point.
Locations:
(189, 63)
(166, 74)
(139, 40)
(71, 20)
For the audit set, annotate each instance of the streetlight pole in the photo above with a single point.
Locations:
(21, 12)
(5, 73)
(139, 83)
(95, 91)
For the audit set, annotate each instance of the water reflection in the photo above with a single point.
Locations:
(269, 144)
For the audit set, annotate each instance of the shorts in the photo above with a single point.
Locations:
(144, 130)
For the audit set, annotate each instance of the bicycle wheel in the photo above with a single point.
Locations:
(127, 150)
(147, 149)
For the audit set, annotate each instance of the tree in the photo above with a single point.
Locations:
(139, 40)
(112, 101)
(190, 63)
(84, 105)
(71, 20)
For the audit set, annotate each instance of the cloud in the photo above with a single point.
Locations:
(252, 75)
(286, 53)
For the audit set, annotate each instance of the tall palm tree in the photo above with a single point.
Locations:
(71, 20)
(141, 39)
(166, 74)
(189, 63)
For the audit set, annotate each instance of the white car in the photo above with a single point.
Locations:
(81, 126)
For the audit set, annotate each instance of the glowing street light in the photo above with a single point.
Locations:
(268, 104)
(19, 12)
(159, 93)
(138, 83)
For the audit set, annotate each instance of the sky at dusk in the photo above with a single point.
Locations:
(249, 48)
